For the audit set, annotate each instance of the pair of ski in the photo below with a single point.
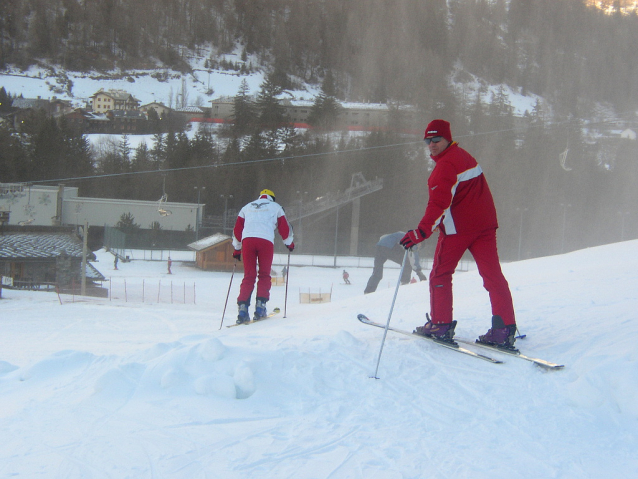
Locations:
(540, 362)
(275, 312)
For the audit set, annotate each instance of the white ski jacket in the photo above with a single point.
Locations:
(259, 219)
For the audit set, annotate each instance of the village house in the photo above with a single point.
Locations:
(352, 116)
(222, 108)
(87, 121)
(104, 101)
(127, 121)
(161, 109)
(24, 109)
(53, 106)
(190, 113)
(298, 111)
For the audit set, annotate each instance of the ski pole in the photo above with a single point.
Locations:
(520, 336)
(228, 294)
(387, 324)
(287, 276)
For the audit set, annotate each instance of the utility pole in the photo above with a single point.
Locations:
(225, 217)
(85, 233)
(198, 219)
(565, 206)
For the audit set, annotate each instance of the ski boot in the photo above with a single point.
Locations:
(242, 315)
(499, 335)
(260, 310)
(441, 332)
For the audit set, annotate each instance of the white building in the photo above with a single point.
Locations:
(61, 206)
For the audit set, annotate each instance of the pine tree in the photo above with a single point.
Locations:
(124, 149)
(243, 110)
(158, 152)
(326, 108)
(127, 224)
(271, 113)
(142, 158)
(203, 148)
(5, 101)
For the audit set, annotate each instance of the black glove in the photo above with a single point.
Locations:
(291, 246)
(412, 238)
(237, 254)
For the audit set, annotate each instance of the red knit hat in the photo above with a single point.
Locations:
(438, 128)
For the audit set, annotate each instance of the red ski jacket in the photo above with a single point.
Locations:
(460, 200)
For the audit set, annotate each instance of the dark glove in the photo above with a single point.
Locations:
(421, 276)
(237, 254)
(412, 237)
(291, 246)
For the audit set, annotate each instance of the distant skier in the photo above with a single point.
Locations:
(170, 263)
(346, 277)
(115, 262)
(461, 207)
(388, 248)
(253, 236)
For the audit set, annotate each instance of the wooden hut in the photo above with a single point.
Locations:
(214, 253)
(43, 258)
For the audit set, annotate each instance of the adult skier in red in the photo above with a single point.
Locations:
(254, 236)
(461, 207)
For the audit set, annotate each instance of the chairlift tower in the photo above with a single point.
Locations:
(359, 187)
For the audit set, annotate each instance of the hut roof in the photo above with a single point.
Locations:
(209, 242)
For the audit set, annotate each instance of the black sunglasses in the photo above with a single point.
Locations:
(434, 139)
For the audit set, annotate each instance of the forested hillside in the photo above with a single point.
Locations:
(379, 50)
(581, 61)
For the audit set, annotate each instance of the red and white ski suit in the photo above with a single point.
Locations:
(461, 206)
(254, 235)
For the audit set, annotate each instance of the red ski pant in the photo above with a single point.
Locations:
(449, 250)
(256, 252)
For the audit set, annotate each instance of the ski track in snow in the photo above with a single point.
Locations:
(103, 389)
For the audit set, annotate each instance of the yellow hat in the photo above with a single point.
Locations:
(267, 192)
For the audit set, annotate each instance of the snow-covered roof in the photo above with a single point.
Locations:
(26, 103)
(154, 104)
(209, 241)
(44, 246)
(189, 109)
(300, 103)
(115, 94)
(364, 106)
(39, 245)
(93, 274)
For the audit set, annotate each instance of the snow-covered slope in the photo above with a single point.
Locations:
(115, 389)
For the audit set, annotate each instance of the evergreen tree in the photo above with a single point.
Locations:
(232, 153)
(256, 149)
(12, 157)
(158, 152)
(5, 101)
(127, 223)
(271, 112)
(243, 110)
(153, 123)
(325, 110)
(203, 147)
(124, 149)
(142, 159)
